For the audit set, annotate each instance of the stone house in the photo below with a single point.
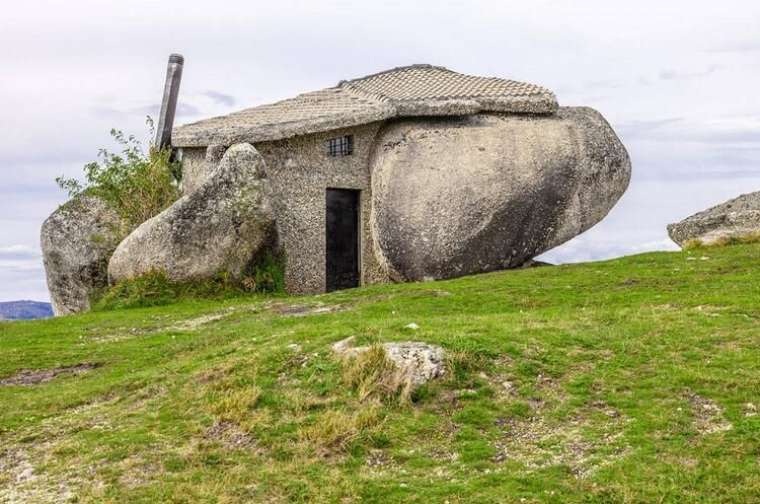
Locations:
(319, 149)
(415, 173)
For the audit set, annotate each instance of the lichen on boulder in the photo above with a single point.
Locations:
(457, 196)
(735, 219)
(416, 362)
(219, 227)
(77, 241)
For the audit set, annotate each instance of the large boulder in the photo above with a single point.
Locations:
(77, 240)
(219, 227)
(736, 218)
(452, 197)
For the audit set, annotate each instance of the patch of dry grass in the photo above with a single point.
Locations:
(335, 430)
(374, 376)
(707, 415)
(235, 405)
(744, 239)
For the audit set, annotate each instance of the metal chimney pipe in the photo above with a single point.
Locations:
(169, 102)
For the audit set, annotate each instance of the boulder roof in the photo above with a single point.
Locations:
(416, 90)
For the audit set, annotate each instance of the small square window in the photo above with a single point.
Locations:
(341, 146)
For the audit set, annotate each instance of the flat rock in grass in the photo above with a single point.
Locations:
(219, 227)
(419, 362)
(736, 218)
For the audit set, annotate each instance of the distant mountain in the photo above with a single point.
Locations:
(24, 310)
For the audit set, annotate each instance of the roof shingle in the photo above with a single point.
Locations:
(417, 90)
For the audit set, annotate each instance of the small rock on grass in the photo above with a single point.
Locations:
(420, 362)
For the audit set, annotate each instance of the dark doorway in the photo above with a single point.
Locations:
(342, 237)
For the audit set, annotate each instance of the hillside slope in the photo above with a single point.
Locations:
(633, 380)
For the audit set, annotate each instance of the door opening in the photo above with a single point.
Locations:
(342, 239)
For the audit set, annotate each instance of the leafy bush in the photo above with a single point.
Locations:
(136, 184)
(267, 274)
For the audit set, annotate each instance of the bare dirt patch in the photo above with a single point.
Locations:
(192, 324)
(124, 334)
(750, 409)
(302, 310)
(22, 482)
(230, 435)
(136, 473)
(37, 376)
(197, 322)
(378, 459)
(585, 443)
(708, 415)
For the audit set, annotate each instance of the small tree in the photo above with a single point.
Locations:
(136, 184)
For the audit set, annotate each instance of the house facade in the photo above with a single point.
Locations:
(319, 150)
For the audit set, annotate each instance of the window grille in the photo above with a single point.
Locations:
(341, 146)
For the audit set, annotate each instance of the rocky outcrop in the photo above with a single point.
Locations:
(77, 240)
(456, 196)
(417, 362)
(736, 218)
(218, 227)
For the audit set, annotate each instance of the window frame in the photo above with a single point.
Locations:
(341, 146)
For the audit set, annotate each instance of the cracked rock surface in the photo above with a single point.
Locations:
(457, 196)
(218, 227)
(419, 362)
(735, 218)
(77, 240)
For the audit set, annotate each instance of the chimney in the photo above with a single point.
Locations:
(169, 102)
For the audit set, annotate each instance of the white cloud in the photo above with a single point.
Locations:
(221, 98)
(584, 249)
(18, 253)
(681, 75)
(21, 273)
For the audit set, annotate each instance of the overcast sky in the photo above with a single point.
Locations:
(678, 80)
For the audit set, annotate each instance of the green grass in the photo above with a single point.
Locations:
(632, 380)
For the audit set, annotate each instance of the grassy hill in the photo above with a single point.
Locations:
(632, 380)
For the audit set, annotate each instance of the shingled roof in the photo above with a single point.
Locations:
(417, 90)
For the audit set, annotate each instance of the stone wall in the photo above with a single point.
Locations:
(300, 171)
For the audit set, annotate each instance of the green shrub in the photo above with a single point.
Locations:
(155, 288)
(136, 184)
(267, 273)
(151, 289)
